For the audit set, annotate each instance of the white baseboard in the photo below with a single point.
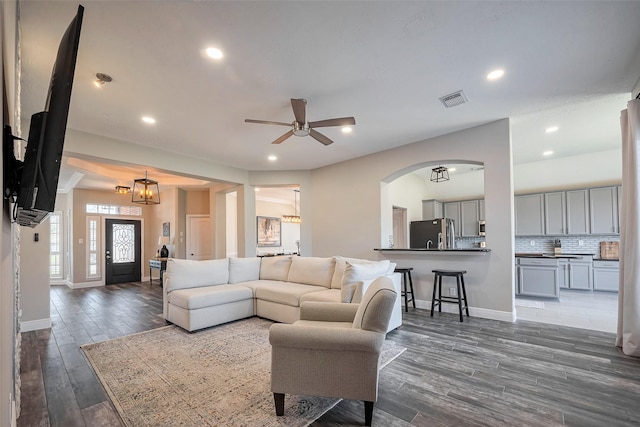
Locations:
(85, 284)
(34, 325)
(484, 313)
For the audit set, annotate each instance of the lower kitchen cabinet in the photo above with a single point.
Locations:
(538, 277)
(606, 275)
(576, 273)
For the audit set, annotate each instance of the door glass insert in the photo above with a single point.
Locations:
(123, 243)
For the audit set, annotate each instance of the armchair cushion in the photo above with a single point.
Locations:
(375, 309)
(327, 312)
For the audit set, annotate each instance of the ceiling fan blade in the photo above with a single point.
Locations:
(299, 109)
(343, 121)
(283, 137)
(266, 122)
(320, 137)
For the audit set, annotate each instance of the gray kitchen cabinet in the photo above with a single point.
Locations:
(452, 211)
(481, 210)
(578, 212)
(538, 277)
(469, 216)
(529, 215)
(606, 275)
(563, 273)
(432, 209)
(580, 273)
(555, 213)
(603, 207)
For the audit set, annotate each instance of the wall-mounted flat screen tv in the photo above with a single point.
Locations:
(37, 182)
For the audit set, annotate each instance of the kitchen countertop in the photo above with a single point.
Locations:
(457, 250)
(550, 255)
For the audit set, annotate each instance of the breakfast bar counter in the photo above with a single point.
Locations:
(460, 251)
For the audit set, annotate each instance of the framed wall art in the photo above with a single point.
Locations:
(268, 229)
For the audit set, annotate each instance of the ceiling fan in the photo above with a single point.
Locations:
(300, 126)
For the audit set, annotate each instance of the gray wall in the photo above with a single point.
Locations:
(357, 219)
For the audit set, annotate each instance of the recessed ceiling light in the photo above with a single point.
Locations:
(495, 74)
(346, 129)
(551, 129)
(101, 79)
(149, 120)
(214, 52)
(547, 153)
(257, 189)
(272, 158)
(452, 169)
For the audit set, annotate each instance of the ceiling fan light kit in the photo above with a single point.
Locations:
(301, 127)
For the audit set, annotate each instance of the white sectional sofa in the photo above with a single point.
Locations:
(200, 294)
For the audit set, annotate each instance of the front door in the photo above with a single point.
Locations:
(122, 251)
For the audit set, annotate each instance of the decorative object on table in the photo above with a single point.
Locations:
(268, 230)
(171, 377)
(295, 218)
(301, 127)
(145, 191)
(164, 241)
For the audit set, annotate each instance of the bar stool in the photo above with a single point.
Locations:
(461, 295)
(406, 274)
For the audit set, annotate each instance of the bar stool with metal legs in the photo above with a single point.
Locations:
(406, 274)
(461, 294)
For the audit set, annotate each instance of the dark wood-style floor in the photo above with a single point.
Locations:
(476, 373)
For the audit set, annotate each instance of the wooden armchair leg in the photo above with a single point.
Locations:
(368, 412)
(278, 398)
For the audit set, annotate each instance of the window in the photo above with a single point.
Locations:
(92, 208)
(93, 243)
(55, 246)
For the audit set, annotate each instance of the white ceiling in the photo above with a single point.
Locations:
(570, 64)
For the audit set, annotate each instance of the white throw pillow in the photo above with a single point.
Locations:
(341, 265)
(275, 268)
(244, 269)
(364, 274)
(312, 271)
(185, 273)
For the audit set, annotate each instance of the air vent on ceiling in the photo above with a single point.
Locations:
(453, 99)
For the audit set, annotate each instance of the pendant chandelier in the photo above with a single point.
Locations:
(145, 191)
(439, 174)
(295, 218)
(121, 189)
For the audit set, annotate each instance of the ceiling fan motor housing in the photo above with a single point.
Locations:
(300, 129)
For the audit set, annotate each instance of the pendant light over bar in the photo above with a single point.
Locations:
(439, 174)
(145, 191)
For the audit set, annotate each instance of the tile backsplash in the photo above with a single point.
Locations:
(570, 244)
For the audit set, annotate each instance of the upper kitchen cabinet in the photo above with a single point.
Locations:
(603, 204)
(555, 213)
(529, 215)
(469, 217)
(432, 209)
(452, 211)
(578, 212)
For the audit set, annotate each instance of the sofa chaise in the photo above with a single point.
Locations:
(200, 294)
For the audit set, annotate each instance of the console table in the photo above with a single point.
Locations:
(157, 264)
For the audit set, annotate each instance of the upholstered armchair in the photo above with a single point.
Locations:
(334, 349)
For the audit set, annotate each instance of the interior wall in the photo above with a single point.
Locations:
(584, 170)
(8, 313)
(34, 277)
(408, 192)
(356, 226)
(197, 202)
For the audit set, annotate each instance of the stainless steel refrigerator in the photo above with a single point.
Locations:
(432, 234)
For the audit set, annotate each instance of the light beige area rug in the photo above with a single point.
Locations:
(216, 377)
